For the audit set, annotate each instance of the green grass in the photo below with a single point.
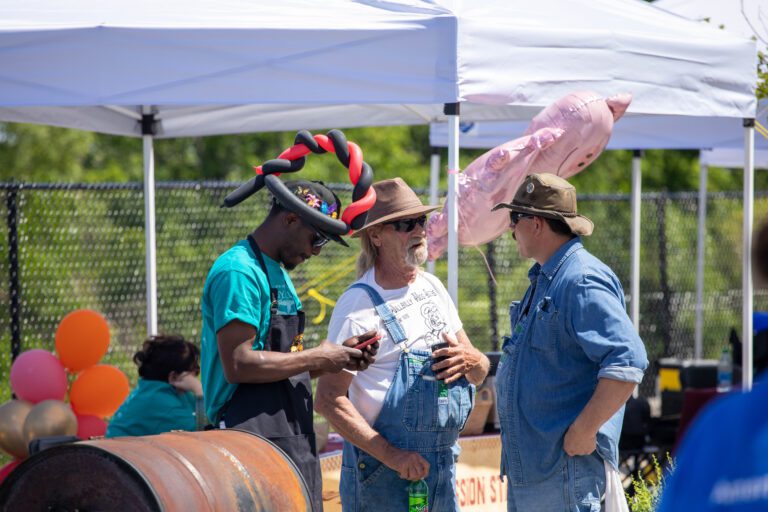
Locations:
(650, 486)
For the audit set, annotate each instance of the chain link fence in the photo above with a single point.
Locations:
(82, 246)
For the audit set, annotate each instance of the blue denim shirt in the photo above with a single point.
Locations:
(721, 464)
(575, 332)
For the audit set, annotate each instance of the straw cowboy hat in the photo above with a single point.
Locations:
(394, 200)
(550, 196)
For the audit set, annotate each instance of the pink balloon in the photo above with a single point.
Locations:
(6, 470)
(37, 375)
(563, 139)
(90, 426)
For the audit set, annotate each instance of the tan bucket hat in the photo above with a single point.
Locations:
(394, 200)
(550, 196)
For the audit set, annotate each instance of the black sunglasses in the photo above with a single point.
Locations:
(319, 240)
(514, 217)
(408, 225)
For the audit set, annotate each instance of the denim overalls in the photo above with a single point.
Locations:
(420, 414)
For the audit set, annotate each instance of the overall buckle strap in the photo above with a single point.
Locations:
(391, 324)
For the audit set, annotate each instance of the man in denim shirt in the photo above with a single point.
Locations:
(572, 361)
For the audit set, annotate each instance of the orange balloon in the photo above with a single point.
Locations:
(99, 391)
(82, 339)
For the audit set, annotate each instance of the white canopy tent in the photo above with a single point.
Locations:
(298, 62)
(748, 18)
(213, 67)
(195, 68)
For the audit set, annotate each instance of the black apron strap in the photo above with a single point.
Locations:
(272, 291)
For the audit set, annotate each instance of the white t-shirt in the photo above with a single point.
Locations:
(424, 310)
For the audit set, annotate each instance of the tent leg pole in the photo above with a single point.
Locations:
(637, 158)
(434, 180)
(749, 193)
(149, 219)
(698, 351)
(452, 111)
(637, 187)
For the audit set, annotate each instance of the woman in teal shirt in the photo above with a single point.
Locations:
(168, 393)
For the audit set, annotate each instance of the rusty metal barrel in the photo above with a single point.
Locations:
(218, 470)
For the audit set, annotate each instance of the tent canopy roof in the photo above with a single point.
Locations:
(211, 67)
(745, 18)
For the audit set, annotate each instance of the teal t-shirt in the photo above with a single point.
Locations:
(153, 407)
(236, 289)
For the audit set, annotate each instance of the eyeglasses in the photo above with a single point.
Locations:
(514, 217)
(408, 225)
(319, 240)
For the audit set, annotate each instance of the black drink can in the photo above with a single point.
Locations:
(438, 346)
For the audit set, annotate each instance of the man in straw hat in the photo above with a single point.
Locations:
(572, 361)
(401, 417)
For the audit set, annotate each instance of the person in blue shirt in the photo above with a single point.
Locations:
(167, 393)
(255, 370)
(722, 462)
(572, 360)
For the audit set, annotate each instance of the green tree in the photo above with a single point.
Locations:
(762, 75)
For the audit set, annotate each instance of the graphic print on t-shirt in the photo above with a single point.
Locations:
(424, 310)
(434, 321)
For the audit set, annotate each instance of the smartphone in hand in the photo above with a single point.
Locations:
(438, 346)
(361, 346)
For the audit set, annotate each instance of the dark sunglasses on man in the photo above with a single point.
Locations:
(408, 225)
(319, 240)
(514, 217)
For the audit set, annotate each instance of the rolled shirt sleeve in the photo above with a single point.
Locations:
(601, 326)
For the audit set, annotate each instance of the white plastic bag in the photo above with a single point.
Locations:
(615, 499)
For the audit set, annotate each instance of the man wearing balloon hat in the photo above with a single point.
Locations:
(401, 418)
(572, 361)
(255, 370)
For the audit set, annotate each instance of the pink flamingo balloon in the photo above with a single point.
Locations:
(562, 139)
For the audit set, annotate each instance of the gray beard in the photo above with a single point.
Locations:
(416, 256)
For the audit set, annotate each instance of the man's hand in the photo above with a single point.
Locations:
(462, 358)
(408, 465)
(579, 440)
(368, 352)
(609, 396)
(333, 358)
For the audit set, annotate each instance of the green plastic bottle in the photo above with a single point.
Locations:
(418, 497)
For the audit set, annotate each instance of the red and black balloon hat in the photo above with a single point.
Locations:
(292, 159)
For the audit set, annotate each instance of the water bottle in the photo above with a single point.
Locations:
(724, 372)
(418, 497)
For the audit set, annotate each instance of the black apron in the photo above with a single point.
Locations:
(281, 411)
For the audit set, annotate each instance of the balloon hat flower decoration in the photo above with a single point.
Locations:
(292, 159)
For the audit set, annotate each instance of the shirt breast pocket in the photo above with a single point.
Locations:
(545, 333)
(514, 310)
